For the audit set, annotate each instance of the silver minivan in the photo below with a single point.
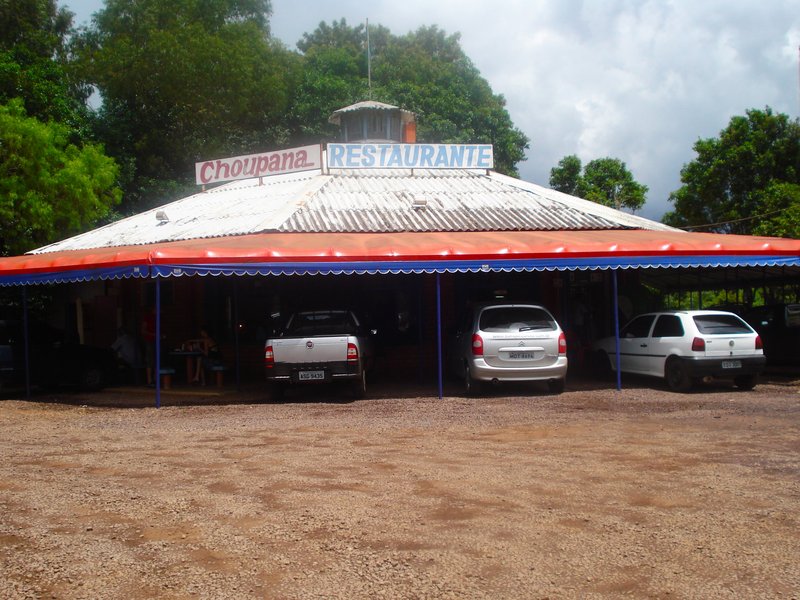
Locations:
(509, 342)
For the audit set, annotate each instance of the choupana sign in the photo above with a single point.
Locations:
(258, 165)
(410, 156)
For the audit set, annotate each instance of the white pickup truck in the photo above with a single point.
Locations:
(319, 346)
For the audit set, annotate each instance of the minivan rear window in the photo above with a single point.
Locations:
(721, 324)
(516, 318)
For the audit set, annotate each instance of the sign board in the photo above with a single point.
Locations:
(410, 156)
(258, 165)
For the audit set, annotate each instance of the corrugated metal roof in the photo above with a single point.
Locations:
(336, 117)
(236, 208)
(360, 201)
(434, 200)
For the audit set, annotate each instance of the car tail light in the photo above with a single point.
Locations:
(477, 345)
(269, 357)
(698, 345)
(562, 343)
(759, 343)
(352, 351)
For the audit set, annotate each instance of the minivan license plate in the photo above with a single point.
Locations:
(522, 355)
(310, 375)
(731, 364)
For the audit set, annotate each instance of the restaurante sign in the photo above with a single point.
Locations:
(258, 165)
(410, 156)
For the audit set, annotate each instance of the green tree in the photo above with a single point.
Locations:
(743, 181)
(425, 72)
(334, 74)
(566, 176)
(780, 203)
(606, 181)
(35, 62)
(340, 35)
(49, 187)
(185, 81)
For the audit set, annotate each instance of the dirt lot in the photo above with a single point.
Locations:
(590, 494)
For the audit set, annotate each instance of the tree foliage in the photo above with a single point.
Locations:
(183, 81)
(425, 71)
(333, 63)
(606, 181)
(35, 62)
(567, 175)
(745, 181)
(49, 187)
(780, 203)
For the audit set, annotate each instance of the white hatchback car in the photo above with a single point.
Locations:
(686, 347)
(509, 342)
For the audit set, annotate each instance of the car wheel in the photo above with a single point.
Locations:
(556, 386)
(360, 386)
(471, 387)
(745, 382)
(677, 376)
(92, 379)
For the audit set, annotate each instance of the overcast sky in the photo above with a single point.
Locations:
(636, 80)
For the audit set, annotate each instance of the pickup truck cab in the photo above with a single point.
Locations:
(319, 346)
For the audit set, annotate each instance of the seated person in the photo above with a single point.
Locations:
(209, 355)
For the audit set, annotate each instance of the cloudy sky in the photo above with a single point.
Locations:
(638, 80)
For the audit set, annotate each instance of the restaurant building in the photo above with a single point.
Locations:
(406, 233)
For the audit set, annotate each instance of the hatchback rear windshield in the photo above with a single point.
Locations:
(721, 324)
(516, 318)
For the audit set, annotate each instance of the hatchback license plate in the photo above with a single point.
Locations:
(522, 355)
(731, 364)
(310, 375)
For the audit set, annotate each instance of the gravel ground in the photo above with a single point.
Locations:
(593, 493)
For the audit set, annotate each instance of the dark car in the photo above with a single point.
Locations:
(53, 360)
(779, 328)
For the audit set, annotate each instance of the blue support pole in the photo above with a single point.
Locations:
(439, 330)
(616, 327)
(236, 333)
(157, 370)
(420, 333)
(26, 342)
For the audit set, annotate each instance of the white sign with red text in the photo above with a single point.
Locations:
(258, 165)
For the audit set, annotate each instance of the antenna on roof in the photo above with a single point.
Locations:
(369, 66)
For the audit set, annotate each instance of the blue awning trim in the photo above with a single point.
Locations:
(75, 276)
(472, 266)
(399, 267)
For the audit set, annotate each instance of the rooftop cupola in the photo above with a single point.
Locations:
(371, 121)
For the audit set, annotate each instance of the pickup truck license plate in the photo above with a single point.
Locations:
(731, 364)
(310, 375)
(522, 355)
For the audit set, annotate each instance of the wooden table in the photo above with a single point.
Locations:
(190, 356)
